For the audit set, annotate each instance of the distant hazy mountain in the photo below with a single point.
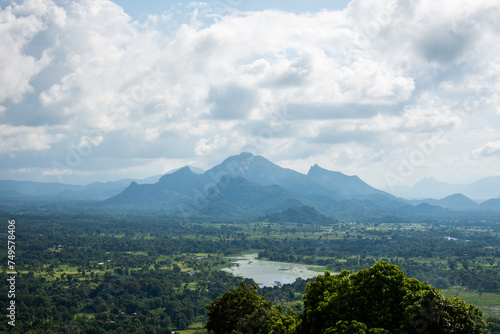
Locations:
(319, 185)
(248, 186)
(96, 191)
(185, 182)
(348, 186)
(159, 198)
(426, 188)
(199, 193)
(252, 185)
(431, 188)
(457, 202)
(262, 171)
(194, 169)
(482, 189)
(147, 195)
(491, 205)
(352, 187)
(28, 188)
(424, 209)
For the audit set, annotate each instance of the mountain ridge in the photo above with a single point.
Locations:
(479, 190)
(458, 202)
(249, 186)
(257, 187)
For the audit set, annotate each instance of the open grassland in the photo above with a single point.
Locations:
(489, 303)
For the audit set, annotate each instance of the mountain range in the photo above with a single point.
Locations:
(250, 186)
(246, 186)
(480, 190)
(28, 190)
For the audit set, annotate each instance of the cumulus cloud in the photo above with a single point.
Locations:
(18, 26)
(490, 149)
(207, 83)
(24, 138)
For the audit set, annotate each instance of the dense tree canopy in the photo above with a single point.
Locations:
(384, 300)
(93, 273)
(380, 299)
(243, 311)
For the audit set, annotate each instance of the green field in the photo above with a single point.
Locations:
(489, 303)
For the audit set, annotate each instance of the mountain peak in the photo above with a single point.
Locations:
(458, 200)
(428, 181)
(246, 155)
(316, 169)
(186, 170)
(242, 164)
(179, 173)
(349, 186)
(456, 196)
(316, 166)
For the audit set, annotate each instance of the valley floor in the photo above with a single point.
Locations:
(94, 274)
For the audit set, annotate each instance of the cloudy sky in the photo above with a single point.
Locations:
(391, 90)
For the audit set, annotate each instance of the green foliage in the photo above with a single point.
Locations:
(347, 327)
(229, 311)
(374, 296)
(432, 313)
(354, 327)
(420, 250)
(378, 300)
(381, 299)
(243, 311)
(166, 270)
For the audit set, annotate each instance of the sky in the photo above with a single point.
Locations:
(393, 91)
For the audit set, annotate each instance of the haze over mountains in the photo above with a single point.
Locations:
(480, 190)
(246, 186)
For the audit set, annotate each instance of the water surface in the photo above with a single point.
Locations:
(267, 273)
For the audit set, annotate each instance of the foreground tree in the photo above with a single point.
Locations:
(243, 311)
(382, 299)
(378, 300)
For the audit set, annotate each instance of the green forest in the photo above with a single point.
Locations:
(100, 273)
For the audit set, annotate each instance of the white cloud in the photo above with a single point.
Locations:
(25, 138)
(18, 27)
(490, 149)
(374, 77)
